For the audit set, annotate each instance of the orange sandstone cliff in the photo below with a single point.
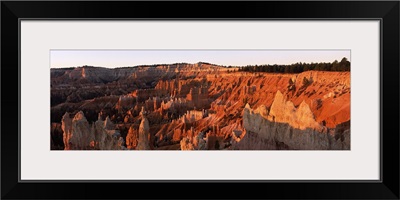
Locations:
(199, 107)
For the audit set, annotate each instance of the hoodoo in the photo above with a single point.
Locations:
(201, 106)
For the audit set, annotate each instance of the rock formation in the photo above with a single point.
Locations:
(200, 107)
(77, 132)
(79, 135)
(132, 138)
(285, 112)
(291, 127)
(144, 134)
(67, 131)
(186, 144)
(107, 138)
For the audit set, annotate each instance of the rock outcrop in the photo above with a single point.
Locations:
(78, 134)
(191, 142)
(107, 138)
(132, 138)
(143, 132)
(284, 111)
(186, 144)
(198, 107)
(290, 127)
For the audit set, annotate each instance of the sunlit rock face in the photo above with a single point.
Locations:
(67, 131)
(284, 111)
(291, 128)
(132, 138)
(198, 107)
(78, 134)
(186, 144)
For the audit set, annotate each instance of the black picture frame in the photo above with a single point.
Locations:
(386, 11)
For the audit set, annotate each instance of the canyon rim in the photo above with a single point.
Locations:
(207, 104)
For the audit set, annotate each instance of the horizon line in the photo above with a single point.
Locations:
(200, 62)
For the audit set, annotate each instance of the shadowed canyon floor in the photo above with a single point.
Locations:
(198, 107)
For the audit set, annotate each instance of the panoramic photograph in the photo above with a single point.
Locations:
(200, 100)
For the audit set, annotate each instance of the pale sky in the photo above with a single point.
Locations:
(124, 58)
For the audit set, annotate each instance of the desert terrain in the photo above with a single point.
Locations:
(198, 106)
